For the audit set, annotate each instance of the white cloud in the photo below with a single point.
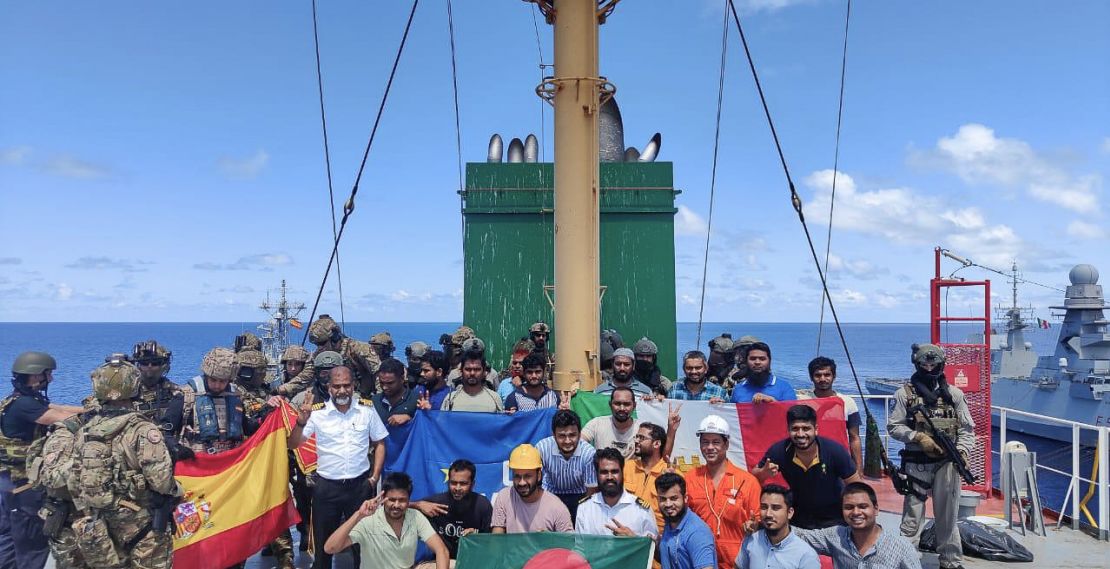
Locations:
(63, 292)
(753, 6)
(14, 155)
(848, 297)
(69, 166)
(978, 156)
(686, 222)
(906, 216)
(244, 168)
(107, 263)
(857, 268)
(259, 262)
(1084, 230)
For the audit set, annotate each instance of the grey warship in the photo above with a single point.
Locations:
(1074, 382)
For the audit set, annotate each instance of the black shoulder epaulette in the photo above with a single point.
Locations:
(585, 498)
(366, 402)
(317, 406)
(643, 503)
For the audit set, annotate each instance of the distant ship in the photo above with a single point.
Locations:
(274, 332)
(1072, 384)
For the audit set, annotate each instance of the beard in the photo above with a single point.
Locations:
(344, 400)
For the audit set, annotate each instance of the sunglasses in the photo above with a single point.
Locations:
(154, 362)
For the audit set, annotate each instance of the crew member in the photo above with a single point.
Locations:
(433, 388)
(533, 393)
(568, 470)
(396, 403)
(822, 372)
(473, 394)
(459, 511)
(930, 468)
(646, 466)
(686, 541)
(526, 506)
(616, 429)
(612, 510)
(760, 385)
(774, 545)
(695, 387)
(622, 376)
(862, 542)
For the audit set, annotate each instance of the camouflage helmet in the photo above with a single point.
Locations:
(219, 363)
(927, 354)
(115, 380)
(745, 341)
(324, 329)
(247, 341)
(382, 339)
(416, 350)
(613, 338)
(150, 351)
(327, 360)
(474, 346)
(722, 344)
(462, 334)
(644, 346)
(540, 327)
(33, 363)
(524, 346)
(255, 360)
(294, 353)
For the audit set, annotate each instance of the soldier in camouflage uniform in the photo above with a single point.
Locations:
(215, 420)
(382, 343)
(740, 349)
(646, 367)
(247, 341)
(48, 468)
(297, 371)
(251, 383)
(121, 480)
(414, 356)
(721, 354)
(159, 398)
(326, 334)
(929, 468)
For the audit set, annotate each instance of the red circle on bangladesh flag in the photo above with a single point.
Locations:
(557, 559)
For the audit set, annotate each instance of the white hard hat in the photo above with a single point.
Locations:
(713, 425)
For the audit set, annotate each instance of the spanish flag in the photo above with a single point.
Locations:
(235, 502)
(295, 323)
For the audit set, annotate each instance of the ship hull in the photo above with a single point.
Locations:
(1056, 402)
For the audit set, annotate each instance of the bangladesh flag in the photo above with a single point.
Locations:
(553, 551)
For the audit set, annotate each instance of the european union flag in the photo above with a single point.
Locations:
(438, 438)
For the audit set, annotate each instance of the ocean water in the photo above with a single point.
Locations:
(878, 350)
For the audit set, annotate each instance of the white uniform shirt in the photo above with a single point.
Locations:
(630, 511)
(343, 439)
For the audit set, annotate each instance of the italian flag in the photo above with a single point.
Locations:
(553, 551)
(753, 427)
(235, 502)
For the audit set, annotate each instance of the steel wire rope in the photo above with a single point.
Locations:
(836, 168)
(547, 250)
(349, 205)
(713, 171)
(327, 158)
(796, 202)
(458, 127)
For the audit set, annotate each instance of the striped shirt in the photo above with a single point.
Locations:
(567, 476)
(521, 401)
(891, 551)
(709, 391)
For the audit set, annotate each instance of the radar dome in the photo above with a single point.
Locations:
(1083, 275)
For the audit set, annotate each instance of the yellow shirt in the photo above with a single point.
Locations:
(641, 482)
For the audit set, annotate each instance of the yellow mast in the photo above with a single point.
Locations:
(577, 92)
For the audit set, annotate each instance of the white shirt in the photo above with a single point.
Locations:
(343, 439)
(630, 511)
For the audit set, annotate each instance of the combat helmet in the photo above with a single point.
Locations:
(251, 367)
(462, 334)
(416, 350)
(644, 346)
(247, 341)
(928, 353)
(151, 352)
(294, 353)
(327, 360)
(116, 380)
(474, 346)
(323, 330)
(384, 340)
(539, 328)
(219, 363)
(722, 344)
(33, 363)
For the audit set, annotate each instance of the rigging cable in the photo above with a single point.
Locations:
(458, 128)
(713, 174)
(547, 249)
(349, 205)
(796, 202)
(836, 167)
(327, 159)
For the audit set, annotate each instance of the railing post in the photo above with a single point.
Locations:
(1075, 485)
(1103, 485)
(1001, 434)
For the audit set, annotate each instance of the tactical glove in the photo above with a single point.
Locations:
(928, 445)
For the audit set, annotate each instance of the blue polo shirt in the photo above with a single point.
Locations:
(780, 390)
(435, 397)
(688, 546)
(791, 553)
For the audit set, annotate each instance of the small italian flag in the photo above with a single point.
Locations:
(553, 551)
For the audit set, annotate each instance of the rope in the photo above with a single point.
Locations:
(543, 104)
(349, 205)
(713, 175)
(455, 90)
(836, 167)
(327, 158)
(796, 202)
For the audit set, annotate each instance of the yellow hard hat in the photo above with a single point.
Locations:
(525, 456)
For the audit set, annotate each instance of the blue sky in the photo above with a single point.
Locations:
(164, 161)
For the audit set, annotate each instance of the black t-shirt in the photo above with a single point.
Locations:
(473, 511)
(19, 418)
(817, 488)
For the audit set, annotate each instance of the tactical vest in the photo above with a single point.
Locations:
(253, 402)
(943, 414)
(100, 476)
(216, 420)
(13, 451)
(154, 402)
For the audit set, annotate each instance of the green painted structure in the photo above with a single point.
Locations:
(508, 242)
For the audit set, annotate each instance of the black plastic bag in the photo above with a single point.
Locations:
(980, 541)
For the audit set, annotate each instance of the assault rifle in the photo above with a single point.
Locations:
(951, 452)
